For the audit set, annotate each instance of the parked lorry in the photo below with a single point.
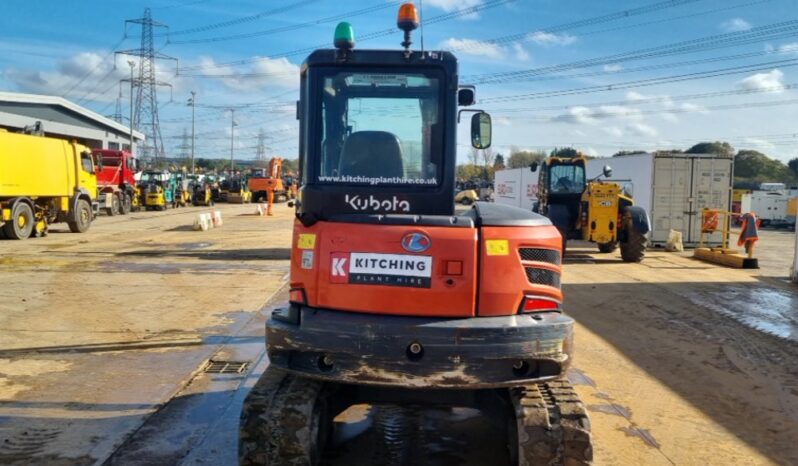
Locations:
(43, 181)
(117, 193)
(673, 188)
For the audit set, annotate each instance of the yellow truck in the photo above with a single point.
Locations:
(43, 181)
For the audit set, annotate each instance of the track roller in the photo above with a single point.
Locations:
(551, 426)
(285, 420)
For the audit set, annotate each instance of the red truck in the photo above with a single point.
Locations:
(117, 192)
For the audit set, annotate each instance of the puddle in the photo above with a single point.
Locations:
(577, 377)
(612, 409)
(193, 246)
(642, 434)
(768, 310)
(163, 268)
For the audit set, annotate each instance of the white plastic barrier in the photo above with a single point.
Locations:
(795, 259)
(203, 222)
(216, 218)
(260, 210)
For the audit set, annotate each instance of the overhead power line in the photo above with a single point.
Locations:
(646, 82)
(245, 19)
(733, 39)
(83, 78)
(291, 27)
(386, 32)
(647, 100)
(626, 113)
(623, 14)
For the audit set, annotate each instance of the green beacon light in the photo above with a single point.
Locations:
(344, 36)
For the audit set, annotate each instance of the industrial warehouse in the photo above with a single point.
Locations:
(493, 232)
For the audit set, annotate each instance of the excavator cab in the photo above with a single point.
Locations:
(394, 297)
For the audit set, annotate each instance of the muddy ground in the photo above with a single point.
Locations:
(104, 338)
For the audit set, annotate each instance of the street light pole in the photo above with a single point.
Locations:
(193, 105)
(132, 123)
(232, 138)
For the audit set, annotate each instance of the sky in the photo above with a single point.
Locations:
(601, 76)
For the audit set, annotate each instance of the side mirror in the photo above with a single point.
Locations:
(466, 96)
(533, 167)
(481, 130)
(607, 171)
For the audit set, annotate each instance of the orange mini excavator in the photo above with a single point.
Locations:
(396, 298)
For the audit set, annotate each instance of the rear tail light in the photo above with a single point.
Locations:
(539, 304)
(297, 295)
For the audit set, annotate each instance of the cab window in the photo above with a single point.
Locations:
(380, 128)
(86, 164)
(567, 179)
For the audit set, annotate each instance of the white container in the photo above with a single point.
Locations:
(795, 259)
(673, 188)
(516, 187)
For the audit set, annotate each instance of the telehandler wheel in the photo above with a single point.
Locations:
(551, 426)
(83, 216)
(607, 248)
(285, 419)
(634, 248)
(127, 204)
(22, 221)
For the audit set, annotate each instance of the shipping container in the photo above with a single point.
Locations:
(516, 187)
(673, 188)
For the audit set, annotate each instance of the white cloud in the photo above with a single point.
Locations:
(579, 114)
(590, 151)
(772, 80)
(641, 129)
(789, 48)
(265, 72)
(457, 5)
(735, 25)
(591, 115)
(635, 96)
(473, 47)
(85, 75)
(613, 131)
(502, 121)
(612, 68)
(760, 144)
(452, 5)
(520, 52)
(547, 38)
(690, 107)
(669, 117)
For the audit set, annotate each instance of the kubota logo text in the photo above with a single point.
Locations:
(375, 204)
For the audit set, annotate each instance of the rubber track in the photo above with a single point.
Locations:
(552, 425)
(275, 419)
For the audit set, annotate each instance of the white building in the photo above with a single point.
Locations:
(61, 118)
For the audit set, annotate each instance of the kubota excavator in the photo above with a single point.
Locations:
(393, 297)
